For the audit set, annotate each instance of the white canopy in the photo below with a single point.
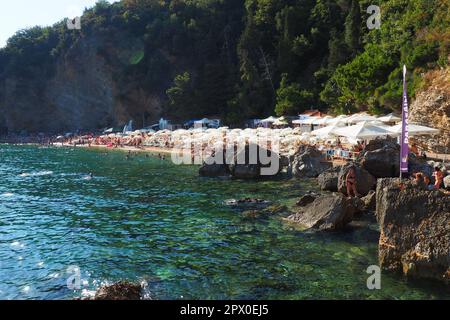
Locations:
(361, 118)
(413, 129)
(389, 118)
(269, 120)
(327, 131)
(362, 130)
(322, 121)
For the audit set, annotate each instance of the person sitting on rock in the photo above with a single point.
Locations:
(427, 182)
(439, 177)
(350, 181)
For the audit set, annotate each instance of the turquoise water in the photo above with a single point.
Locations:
(149, 220)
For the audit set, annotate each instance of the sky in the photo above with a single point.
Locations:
(21, 14)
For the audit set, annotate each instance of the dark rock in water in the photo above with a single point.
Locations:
(328, 180)
(306, 199)
(246, 171)
(120, 291)
(370, 201)
(415, 230)
(327, 212)
(309, 163)
(248, 203)
(364, 180)
(214, 170)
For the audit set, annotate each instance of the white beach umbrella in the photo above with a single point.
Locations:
(389, 118)
(413, 130)
(327, 131)
(269, 120)
(362, 130)
(361, 118)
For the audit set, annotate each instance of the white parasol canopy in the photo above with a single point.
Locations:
(413, 129)
(362, 130)
(389, 118)
(269, 120)
(327, 131)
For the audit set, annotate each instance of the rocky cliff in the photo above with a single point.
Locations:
(432, 108)
(86, 90)
(415, 230)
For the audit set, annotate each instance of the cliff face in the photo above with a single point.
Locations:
(87, 90)
(432, 108)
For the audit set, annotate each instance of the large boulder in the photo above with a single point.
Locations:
(327, 212)
(309, 163)
(364, 180)
(246, 171)
(306, 199)
(214, 170)
(415, 230)
(328, 180)
(383, 162)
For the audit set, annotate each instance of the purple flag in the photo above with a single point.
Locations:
(404, 143)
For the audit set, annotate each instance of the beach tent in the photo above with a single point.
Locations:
(362, 130)
(389, 118)
(339, 119)
(327, 131)
(413, 129)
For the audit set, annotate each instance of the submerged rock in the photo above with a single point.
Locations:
(120, 291)
(327, 212)
(309, 163)
(328, 180)
(248, 203)
(364, 180)
(415, 230)
(267, 212)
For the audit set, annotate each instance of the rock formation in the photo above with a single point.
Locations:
(364, 180)
(309, 163)
(432, 108)
(415, 230)
(327, 212)
(329, 179)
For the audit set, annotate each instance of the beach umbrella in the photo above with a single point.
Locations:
(389, 118)
(413, 129)
(327, 131)
(362, 130)
(361, 118)
(269, 120)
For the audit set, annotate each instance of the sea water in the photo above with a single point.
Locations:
(63, 234)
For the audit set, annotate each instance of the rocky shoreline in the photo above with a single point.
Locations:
(414, 221)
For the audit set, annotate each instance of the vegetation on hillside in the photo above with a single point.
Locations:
(239, 59)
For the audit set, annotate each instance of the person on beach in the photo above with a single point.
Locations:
(439, 177)
(427, 182)
(350, 181)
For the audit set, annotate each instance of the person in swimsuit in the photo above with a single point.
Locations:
(350, 181)
(439, 177)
